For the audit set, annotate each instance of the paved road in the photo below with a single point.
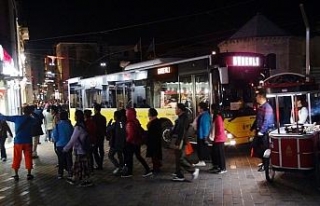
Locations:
(241, 185)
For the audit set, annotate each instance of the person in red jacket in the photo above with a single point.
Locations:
(219, 138)
(133, 144)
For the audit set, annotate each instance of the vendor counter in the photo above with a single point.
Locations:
(293, 150)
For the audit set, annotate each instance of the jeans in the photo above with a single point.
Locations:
(131, 150)
(2, 147)
(65, 161)
(35, 145)
(49, 133)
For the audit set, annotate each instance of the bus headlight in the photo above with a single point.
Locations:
(229, 136)
(233, 142)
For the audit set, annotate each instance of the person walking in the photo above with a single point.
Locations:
(61, 136)
(92, 130)
(203, 130)
(154, 138)
(101, 123)
(117, 142)
(22, 141)
(48, 122)
(80, 143)
(179, 133)
(133, 144)
(263, 123)
(218, 138)
(4, 130)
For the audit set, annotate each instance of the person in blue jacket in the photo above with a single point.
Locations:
(22, 140)
(203, 130)
(61, 134)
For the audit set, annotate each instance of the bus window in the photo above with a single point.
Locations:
(93, 96)
(202, 89)
(165, 94)
(186, 90)
(75, 95)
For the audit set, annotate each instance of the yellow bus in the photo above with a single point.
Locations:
(227, 79)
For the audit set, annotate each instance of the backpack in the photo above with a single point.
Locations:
(86, 144)
(141, 134)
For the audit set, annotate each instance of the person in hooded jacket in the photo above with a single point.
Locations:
(133, 144)
(117, 141)
(92, 130)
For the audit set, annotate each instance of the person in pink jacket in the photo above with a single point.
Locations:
(219, 138)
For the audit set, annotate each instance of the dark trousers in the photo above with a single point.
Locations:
(260, 144)
(2, 147)
(218, 155)
(117, 163)
(182, 162)
(201, 149)
(99, 152)
(156, 163)
(49, 135)
(131, 150)
(65, 161)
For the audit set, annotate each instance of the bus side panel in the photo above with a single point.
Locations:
(142, 115)
(239, 128)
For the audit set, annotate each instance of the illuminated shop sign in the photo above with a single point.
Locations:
(245, 61)
(164, 70)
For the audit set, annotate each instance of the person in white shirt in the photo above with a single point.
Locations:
(300, 112)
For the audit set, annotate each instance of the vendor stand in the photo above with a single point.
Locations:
(293, 146)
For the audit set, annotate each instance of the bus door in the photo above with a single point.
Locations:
(123, 94)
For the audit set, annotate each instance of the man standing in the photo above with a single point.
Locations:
(179, 132)
(101, 124)
(263, 123)
(23, 140)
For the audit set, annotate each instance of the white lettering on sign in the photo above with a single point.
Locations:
(245, 61)
(164, 70)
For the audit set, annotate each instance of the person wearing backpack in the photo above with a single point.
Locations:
(81, 143)
(61, 136)
(117, 142)
(133, 144)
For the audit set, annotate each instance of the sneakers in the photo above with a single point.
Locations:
(70, 180)
(195, 174)
(16, 177)
(147, 174)
(213, 168)
(200, 164)
(60, 177)
(220, 172)
(4, 159)
(30, 177)
(267, 153)
(86, 183)
(116, 171)
(178, 179)
(126, 175)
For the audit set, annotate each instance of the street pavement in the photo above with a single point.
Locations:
(241, 185)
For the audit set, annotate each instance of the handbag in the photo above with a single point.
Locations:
(188, 148)
(212, 132)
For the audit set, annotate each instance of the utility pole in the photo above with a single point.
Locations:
(306, 23)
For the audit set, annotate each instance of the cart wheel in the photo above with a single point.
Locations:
(269, 171)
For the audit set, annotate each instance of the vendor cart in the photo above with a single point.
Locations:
(292, 146)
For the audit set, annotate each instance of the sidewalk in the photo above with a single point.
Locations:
(241, 185)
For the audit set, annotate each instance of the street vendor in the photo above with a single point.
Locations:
(300, 111)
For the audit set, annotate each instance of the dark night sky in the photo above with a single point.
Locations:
(196, 22)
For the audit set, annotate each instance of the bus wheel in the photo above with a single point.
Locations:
(166, 125)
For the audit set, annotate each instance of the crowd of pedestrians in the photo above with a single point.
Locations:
(80, 147)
